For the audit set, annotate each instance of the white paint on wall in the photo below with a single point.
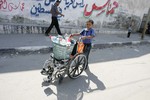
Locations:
(75, 16)
(135, 7)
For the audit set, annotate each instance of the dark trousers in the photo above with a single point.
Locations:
(128, 35)
(86, 51)
(54, 23)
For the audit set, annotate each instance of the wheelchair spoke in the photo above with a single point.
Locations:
(74, 74)
(78, 71)
(81, 66)
(75, 62)
(81, 60)
(72, 70)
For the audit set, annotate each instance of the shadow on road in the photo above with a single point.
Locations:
(75, 89)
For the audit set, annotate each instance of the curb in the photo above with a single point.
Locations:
(47, 49)
(26, 50)
(118, 44)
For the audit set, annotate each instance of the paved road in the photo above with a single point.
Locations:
(121, 73)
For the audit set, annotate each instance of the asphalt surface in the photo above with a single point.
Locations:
(120, 73)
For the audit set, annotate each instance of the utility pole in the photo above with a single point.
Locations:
(145, 26)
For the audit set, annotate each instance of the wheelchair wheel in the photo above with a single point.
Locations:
(76, 66)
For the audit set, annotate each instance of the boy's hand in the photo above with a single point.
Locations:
(71, 36)
(83, 37)
(62, 15)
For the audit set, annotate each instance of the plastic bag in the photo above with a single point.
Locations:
(80, 47)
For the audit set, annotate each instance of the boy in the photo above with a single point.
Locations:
(129, 31)
(86, 35)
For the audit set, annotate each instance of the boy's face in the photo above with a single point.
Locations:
(89, 25)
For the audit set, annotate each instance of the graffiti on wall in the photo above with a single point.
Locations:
(74, 4)
(36, 10)
(48, 2)
(10, 6)
(108, 7)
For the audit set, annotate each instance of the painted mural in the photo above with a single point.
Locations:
(105, 13)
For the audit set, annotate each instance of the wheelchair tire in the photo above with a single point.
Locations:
(76, 66)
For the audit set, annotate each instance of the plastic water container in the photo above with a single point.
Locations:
(68, 41)
(60, 40)
(54, 39)
(63, 42)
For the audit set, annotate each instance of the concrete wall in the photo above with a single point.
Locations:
(24, 15)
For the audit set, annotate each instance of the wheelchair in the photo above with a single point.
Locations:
(60, 65)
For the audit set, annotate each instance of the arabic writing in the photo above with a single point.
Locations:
(5, 6)
(74, 4)
(48, 2)
(110, 9)
(37, 10)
